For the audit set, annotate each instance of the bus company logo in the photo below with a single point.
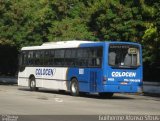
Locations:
(45, 71)
(123, 74)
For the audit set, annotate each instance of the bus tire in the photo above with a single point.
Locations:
(74, 88)
(32, 84)
(106, 95)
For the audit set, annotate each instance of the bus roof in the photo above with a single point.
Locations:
(70, 44)
(60, 44)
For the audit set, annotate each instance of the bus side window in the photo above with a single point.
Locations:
(37, 56)
(67, 57)
(23, 59)
(82, 57)
(70, 57)
(98, 57)
(95, 55)
(98, 61)
(79, 55)
(46, 57)
(41, 57)
(51, 58)
(73, 57)
(30, 58)
(59, 57)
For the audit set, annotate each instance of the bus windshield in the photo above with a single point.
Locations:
(124, 56)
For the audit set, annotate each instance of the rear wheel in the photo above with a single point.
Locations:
(106, 95)
(32, 84)
(74, 87)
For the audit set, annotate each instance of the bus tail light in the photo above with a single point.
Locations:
(104, 79)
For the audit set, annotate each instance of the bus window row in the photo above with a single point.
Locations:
(81, 57)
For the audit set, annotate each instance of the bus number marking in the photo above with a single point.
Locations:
(81, 71)
(110, 79)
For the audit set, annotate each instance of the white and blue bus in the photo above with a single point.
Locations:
(82, 66)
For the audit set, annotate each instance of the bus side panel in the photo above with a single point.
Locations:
(88, 78)
(51, 77)
(46, 77)
(79, 73)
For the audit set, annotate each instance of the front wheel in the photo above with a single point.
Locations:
(106, 95)
(74, 87)
(32, 84)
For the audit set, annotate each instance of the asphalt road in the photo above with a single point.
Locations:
(21, 101)
(21, 104)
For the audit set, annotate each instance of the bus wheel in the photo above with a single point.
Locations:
(74, 87)
(106, 95)
(32, 84)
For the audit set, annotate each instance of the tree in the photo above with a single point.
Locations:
(113, 20)
(151, 37)
(24, 22)
(70, 22)
(32, 22)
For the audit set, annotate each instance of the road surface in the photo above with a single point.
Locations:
(21, 104)
(22, 101)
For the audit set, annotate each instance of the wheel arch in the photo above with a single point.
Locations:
(29, 79)
(74, 77)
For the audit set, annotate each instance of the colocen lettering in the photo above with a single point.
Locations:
(45, 71)
(123, 74)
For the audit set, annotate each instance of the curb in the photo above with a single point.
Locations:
(152, 83)
(148, 87)
(151, 87)
(6, 81)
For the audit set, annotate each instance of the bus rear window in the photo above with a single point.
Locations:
(124, 55)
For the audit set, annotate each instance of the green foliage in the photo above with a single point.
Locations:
(118, 22)
(151, 37)
(70, 22)
(23, 22)
(69, 29)
(32, 22)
